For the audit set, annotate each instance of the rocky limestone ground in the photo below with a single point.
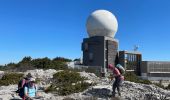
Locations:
(100, 91)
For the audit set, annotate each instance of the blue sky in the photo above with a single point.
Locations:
(50, 28)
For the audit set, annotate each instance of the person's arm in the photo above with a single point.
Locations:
(116, 72)
(37, 94)
(23, 82)
(26, 91)
(36, 91)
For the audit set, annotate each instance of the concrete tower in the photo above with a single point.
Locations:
(100, 49)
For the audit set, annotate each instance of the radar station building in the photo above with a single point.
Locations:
(100, 51)
(131, 60)
(155, 70)
(100, 48)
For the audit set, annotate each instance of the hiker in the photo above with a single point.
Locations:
(118, 79)
(22, 83)
(30, 90)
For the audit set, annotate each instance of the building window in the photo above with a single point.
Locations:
(86, 46)
(126, 56)
(91, 56)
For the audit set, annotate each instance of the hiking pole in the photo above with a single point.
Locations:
(110, 84)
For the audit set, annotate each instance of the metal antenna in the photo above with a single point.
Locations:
(136, 47)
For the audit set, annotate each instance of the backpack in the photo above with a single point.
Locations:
(120, 68)
(21, 84)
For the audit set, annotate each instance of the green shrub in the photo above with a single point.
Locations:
(67, 82)
(168, 87)
(27, 63)
(68, 98)
(145, 82)
(130, 76)
(159, 85)
(68, 77)
(37, 80)
(10, 78)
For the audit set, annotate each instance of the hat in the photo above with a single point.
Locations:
(110, 66)
(32, 80)
(28, 75)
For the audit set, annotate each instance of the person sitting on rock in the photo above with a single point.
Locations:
(118, 79)
(22, 83)
(30, 89)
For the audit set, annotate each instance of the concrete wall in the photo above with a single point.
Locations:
(112, 51)
(144, 67)
(93, 51)
(122, 58)
(155, 66)
(99, 51)
(155, 70)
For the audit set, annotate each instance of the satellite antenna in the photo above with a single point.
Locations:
(136, 47)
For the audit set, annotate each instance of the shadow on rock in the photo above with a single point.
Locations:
(99, 92)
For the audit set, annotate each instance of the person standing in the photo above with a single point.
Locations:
(118, 79)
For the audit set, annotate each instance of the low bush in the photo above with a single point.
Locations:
(145, 82)
(67, 82)
(168, 87)
(68, 98)
(10, 78)
(130, 76)
(159, 85)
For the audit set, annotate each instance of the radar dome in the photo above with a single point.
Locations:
(101, 23)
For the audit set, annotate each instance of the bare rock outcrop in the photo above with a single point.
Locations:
(100, 91)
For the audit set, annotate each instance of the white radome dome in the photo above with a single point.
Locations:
(102, 23)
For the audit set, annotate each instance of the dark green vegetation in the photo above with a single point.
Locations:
(27, 63)
(130, 76)
(159, 85)
(10, 78)
(64, 82)
(168, 87)
(67, 82)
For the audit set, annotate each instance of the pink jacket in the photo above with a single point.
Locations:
(116, 72)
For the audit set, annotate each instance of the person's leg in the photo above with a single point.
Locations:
(114, 87)
(113, 90)
(118, 86)
(118, 90)
(23, 98)
(28, 98)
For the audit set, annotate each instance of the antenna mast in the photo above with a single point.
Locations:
(136, 47)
